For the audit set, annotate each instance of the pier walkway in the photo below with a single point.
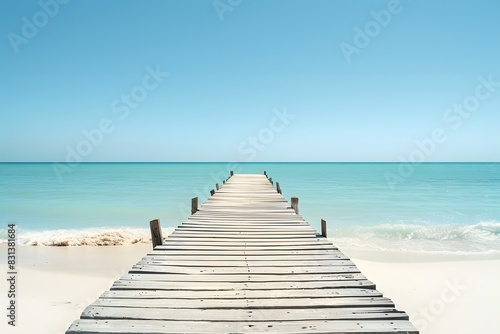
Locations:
(245, 262)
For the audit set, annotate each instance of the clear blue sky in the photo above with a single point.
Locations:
(225, 78)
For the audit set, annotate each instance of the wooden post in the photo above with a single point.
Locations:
(323, 228)
(231, 173)
(194, 205)
(295, 204)
(271, 180)
(278, 188)
(212, 192)
(265, 173)
(224, 182)
(156, 236)
(217, 186)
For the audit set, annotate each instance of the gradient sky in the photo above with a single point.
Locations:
(229, 73)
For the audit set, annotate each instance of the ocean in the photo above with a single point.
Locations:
(431, 207)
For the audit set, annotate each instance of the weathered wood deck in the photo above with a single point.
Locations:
(244, 263)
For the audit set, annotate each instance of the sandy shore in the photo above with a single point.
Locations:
(55, 284)
(442, 294)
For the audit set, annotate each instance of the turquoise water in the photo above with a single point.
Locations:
(446, 207)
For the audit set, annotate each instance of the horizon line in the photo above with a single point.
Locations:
(248, 162)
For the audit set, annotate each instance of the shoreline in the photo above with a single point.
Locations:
(398, 256)
(434, 290)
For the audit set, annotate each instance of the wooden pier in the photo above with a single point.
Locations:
(244, 262)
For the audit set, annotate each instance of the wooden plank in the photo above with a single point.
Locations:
(249, 246)
(232, 225)
(248, 223)
(240, 278)
(248, 294)
(213, 212)
(149, 267)
(247, 241)
(210, 265)
(210, 242)
(312, 259)
(248, 233)
(113, 326)
(239, 248)
(278, 209)
(216, 286)
(245, 231)
(228, 198)
(268, 219)
(233, 312)
(332, 305)
(245, 220)
(247, 252)
(243, 236)
(241, 229)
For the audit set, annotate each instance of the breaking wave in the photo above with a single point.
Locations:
(483, 237)
(84, 237)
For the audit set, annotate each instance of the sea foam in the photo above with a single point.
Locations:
(86, 237)
(483, 237)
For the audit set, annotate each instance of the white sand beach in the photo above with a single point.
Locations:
(55, 284)
(442, 294)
